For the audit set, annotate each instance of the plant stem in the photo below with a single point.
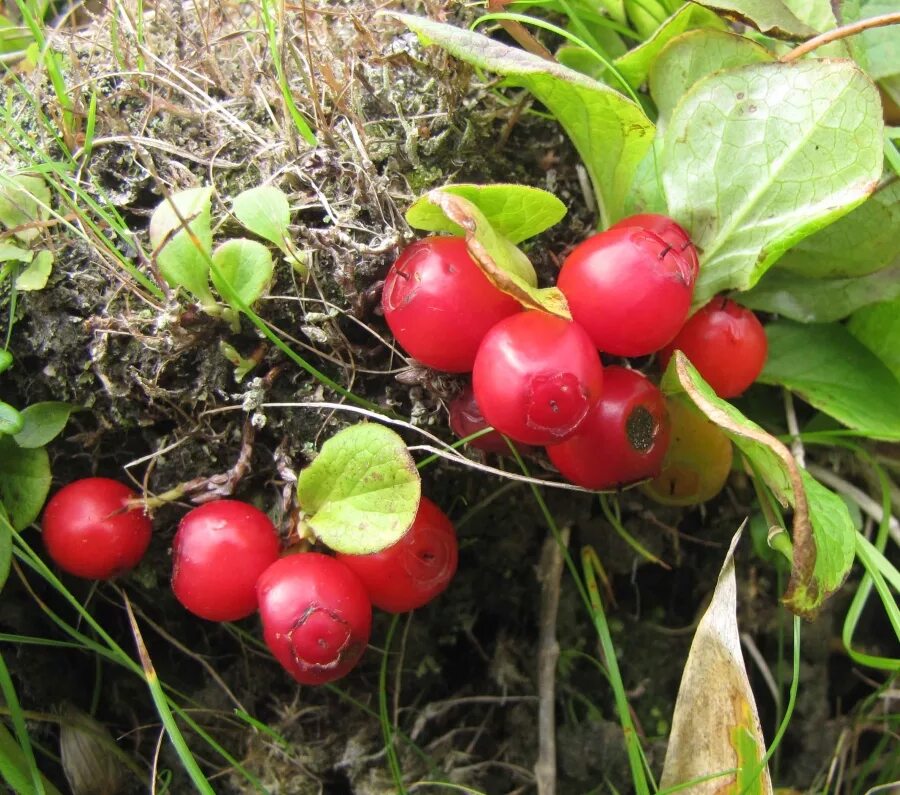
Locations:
(840, 33)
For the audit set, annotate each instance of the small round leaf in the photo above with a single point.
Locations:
(361, 493)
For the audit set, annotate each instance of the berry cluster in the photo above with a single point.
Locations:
(227, 562)
(538, 379)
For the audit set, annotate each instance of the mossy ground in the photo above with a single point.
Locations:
(192, 99)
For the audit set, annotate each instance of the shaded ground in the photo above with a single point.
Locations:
(393, 119)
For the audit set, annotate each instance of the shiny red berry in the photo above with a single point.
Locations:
(219, 552)
(416, 569)
(726, 343)
(439, 304)
(316, 616)
(668, 230)
(623, 440)
(536, 377)
(629, 289)
(90, 532)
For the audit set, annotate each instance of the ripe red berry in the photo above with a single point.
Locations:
(416, 569)
(536, 377)
(726, 343)
(439, 304)
(623, 439)
(316, 616)
(219, 552)
(669, 231)
(466, 418)
(629, 289)
(89, 531)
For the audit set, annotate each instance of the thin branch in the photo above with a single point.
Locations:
(840, 33)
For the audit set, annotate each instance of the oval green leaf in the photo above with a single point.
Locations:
(822, 532)
(246, 266)
(830, 369)
(265, 211)
(610, 132)
(11, 420)
(24, 481)
(24, 202)
(6, 360)
(516, 212)
(772, 17)
(43, 422)
(361, 493)
(35, 276)
(759, 157)
(182, 254)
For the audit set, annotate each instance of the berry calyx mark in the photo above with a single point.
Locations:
(641, 429)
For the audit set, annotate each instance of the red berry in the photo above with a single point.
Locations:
(726, 343)
(219, 552)
(629, 289)
(669, 231)
(416, 569)
(316, 616)
(89, 532)
(536, 377)
(622, 440)
(439, 304)
(466, 419)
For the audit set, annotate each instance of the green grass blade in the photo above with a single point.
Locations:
(21, 730)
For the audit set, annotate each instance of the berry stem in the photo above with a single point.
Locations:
(840, 33)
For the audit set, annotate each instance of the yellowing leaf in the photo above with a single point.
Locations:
(715, 728)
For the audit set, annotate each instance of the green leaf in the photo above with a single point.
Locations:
(43, 422)
(823, 534)
(875, 50)
(24, 200)
(691, 57)
(863, 241)
(635, 65)
(878, 328)
(646, 192)
(820, 300)
(6, 360)
(247, 266)
(35, 276)
(9, 252)
(11, 420)
(361, 493)
(182, 254)
(515, 212)
(815, 13)
(772, 17)
(24, 481)
(610, 132)
(757, 158)
(830, 369)
(503, 263)
(265, 212)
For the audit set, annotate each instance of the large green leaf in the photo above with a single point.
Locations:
(610, 132)
(818, 14)
(878, 328)
(635, 65)
(830, 369)
(773, 17)
(265, 211)
(24, 481)
(182, 254)
(5, 546)
(35, 276)
(694, 55)
(362, 491)
(516, 212)
(820, 300)
(757, 158)
(823, 533)
(499, 259)
(863, 241)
